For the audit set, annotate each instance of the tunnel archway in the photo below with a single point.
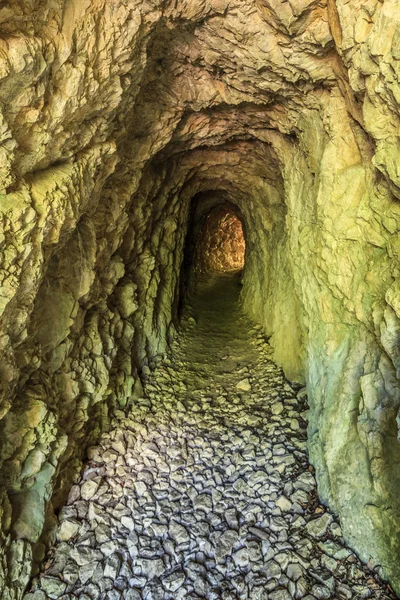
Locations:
(215, 241)
(221, 244)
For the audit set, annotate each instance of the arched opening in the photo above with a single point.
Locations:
(215, 243)
(220, 245)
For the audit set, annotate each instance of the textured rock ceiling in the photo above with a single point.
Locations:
(108, 71)
(117, 117)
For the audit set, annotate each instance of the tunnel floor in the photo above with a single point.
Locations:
(204, 490)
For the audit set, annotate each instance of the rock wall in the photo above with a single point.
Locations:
(118, 121)
(220, 245)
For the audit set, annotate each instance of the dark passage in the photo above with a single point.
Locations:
(203, 489)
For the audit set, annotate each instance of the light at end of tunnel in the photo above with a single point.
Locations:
(221, 246)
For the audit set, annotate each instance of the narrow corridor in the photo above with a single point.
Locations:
(203, 489)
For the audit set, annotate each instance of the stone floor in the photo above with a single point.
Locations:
(204, 489)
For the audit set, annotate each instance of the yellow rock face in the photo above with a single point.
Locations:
(118, 121)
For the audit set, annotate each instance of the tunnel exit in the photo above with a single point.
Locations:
(221, 244)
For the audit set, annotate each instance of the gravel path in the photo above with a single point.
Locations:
(204, 490)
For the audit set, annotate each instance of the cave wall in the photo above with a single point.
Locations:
(339, 253)
(220, 245)
(114, 116)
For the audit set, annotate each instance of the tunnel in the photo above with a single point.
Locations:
(220, 242)
(199, 308)
(221, 247)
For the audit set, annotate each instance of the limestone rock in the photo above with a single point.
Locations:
(124, 128)
(68, 529)
(318, 526)
(244, 385)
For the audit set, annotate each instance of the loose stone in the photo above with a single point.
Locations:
(198, 492)
(318, 527)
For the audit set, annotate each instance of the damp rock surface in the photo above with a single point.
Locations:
(202, 489)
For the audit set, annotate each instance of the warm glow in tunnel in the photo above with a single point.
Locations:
(221, 244)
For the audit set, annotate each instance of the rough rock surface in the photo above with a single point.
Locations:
(119, 120)
(220, 245)
(202, 490)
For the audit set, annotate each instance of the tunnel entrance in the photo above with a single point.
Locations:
(221, 244)
(215, 244)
